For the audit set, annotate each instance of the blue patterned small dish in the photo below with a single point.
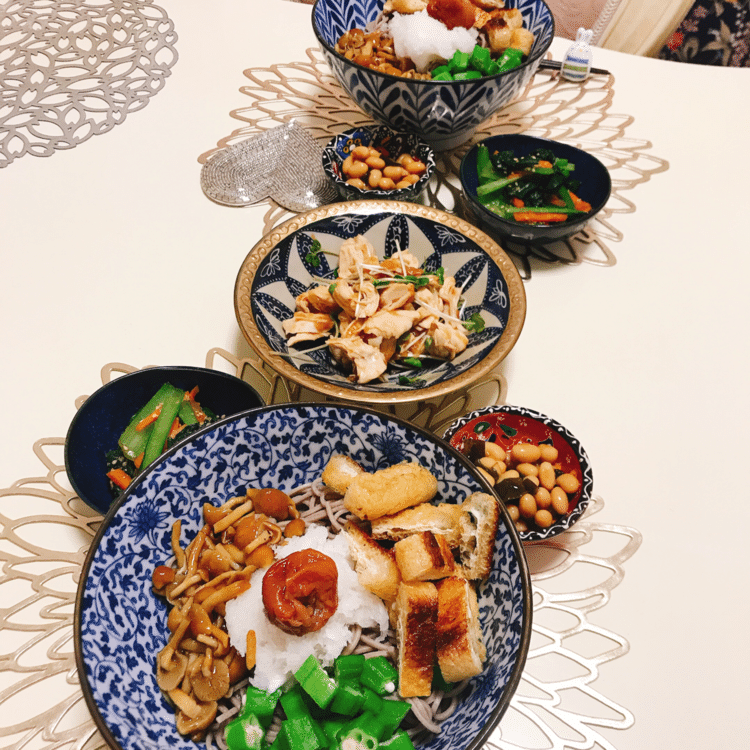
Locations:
(506, 425)
(103, 416)
(120, 625)
(279, 268)
(442, 113)
(382, 139)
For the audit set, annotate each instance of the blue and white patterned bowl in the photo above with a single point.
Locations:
(341, 145)
(507, 425)
(120, 625)
(443, 113)
(276, 271)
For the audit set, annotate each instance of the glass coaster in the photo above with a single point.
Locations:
(283, 163)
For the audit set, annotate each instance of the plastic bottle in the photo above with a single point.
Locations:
(576, 63)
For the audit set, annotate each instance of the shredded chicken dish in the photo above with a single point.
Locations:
(379, 312)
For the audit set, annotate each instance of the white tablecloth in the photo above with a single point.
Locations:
(111, 252)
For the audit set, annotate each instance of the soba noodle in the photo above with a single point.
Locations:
(318, 504)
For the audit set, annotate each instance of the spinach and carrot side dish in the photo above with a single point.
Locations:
(170, 415)
(534, 189)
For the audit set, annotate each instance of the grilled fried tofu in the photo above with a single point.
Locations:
(416, 611)
(440, 519)
(480, 516)
(424, 557)
(460, 648)
(375, 566)
(388, 491)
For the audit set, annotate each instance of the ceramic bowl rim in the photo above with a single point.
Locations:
(531, 59)
(562, 524)
(121, 381)
(511, 229)
(516, 673)
(499, 257)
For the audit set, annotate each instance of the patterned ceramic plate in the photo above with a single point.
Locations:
(120, 625)
(278, 269)
(507, 425)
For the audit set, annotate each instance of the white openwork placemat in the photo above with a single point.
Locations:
(45, 531)
(71, 69)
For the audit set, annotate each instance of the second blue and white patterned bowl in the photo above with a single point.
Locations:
(443, 113)
(278, 269)
(120, 625)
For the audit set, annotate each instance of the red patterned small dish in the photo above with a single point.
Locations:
(509, 425)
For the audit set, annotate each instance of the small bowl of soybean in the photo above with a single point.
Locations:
(375, 162)
(535, 465)
(533, 191)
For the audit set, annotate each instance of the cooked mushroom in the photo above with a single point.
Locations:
(198, 665)
(188, 725)
(236, 665)
(211, 681)
(169, 673)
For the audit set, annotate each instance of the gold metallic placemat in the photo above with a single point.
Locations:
(550, 107)
(45, 532)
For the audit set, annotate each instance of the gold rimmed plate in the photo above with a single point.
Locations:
(282, 265)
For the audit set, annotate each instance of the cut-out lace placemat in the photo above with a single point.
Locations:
(45, 532)
(71, 69)
(578, 113)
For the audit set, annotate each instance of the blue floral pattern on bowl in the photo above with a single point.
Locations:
(121, 624)
(340, 146)
(279, 268)
(554, 432)
(443, 113)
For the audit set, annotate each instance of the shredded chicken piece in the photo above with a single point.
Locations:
(318, 299)
(396, 295)
(448, 340)
(365, 362)
(389, 324)
(450, 294)
(386, 311)
(305, 326)
(354, 253)
(358, 300)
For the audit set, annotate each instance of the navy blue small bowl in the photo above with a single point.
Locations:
(340, 146)
(596, 186)
(103, 416)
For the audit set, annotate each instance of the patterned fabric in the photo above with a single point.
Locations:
(715, 32)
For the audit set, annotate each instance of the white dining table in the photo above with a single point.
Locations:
(111, 252)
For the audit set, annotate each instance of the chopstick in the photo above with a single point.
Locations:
(556, 65)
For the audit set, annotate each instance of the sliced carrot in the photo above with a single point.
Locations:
(544, 164)
(138, 460)
(200, 415)
(119, 477)
(517, 202)
(580, 205)
(556, 200)
(530, 217)
(175, 428)
(150, 419)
